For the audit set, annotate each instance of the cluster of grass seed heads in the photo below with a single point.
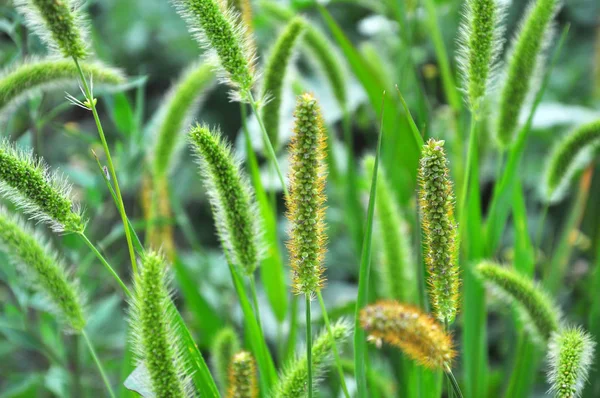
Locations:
(44, 194)
(570, 357)
(541, 316)
(231, 197)
(292, 380)
(225, 344)
(220, 30)
(480, 45)
(440, 232)
(569, 156)
(242, 376)
(417, 334)
(523, 67)
(36, 260)
(154, 338)
(58, 23)
(306, 202)
(275, 71)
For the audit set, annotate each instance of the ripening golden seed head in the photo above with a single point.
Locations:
(242, 376)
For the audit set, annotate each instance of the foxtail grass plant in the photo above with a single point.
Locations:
(570, 155)
(540, 315)
(154, 340)
(523, 69)
(440, 232)
(275, 72)
(570, 358)
(242, 376)
(225, 345)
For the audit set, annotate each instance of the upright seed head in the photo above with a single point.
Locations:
(230, 194)
(58, 23)
(154, 340)
(242, 376)
(570, 357)
(225, 344)
(523, 67)
(221, 31)
(480, 45)
(36, 259)
(28, 182)
(156, 205)
(275, 71)
(306, 201)
(417, 334)
(292, 380)
(570, 156)
(440, 232)
(541, 316)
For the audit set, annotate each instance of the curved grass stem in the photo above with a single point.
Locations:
(98, 364)
(111, 167)
(455, 386)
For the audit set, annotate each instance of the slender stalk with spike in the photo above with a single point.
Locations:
(242, 376)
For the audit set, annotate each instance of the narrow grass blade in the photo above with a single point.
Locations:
(593, 388)
(360, 343)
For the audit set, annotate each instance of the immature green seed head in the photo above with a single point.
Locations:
(36, 259)
(570, 357)
(293, 379)
(242, 376)
(275, 71)
(570, 156)
(20, 82)
(523, 67)
(440, 232)
(398, 269)
(44, 194)
(231, 197)
(224, 347)
(480, 45)
(306, 202)
(175, 113)
(221, 31)
(154, 339)
(58, 23)
(541, 316)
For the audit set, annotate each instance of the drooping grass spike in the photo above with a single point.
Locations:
(219, 30)
(225, 345)
(523, 67)
(19, 82)
(569, 156)
(480, 39)
(541, 316)
(44, 194)
(231, 197)
(440, 232)
(570, 358)
(174, 115)
(275, 71)
(33, 256)
(242, 376)
(306, 202)
(398, 268)
(292, 380)
(154, 339)
(417, 334)
(59, 23)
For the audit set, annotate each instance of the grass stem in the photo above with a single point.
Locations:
(309, 347)
(98, 364)
(455, 386)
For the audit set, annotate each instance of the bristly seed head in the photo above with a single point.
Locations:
(440, 232)
(231, 197)
(28, 182)
(570, 358)
(417, 334)
(225, 344)
(242, 376)
(58, 23)
(306, 202)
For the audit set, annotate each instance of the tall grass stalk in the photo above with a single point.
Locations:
(98, 364)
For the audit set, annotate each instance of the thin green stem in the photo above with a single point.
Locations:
(454, 383)
(111, 167)
(473, 147)
(104, 262)
(98, 364)
(336, 354)
(255, 301)
(309, 347)
(267, 143)
(540, 230)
